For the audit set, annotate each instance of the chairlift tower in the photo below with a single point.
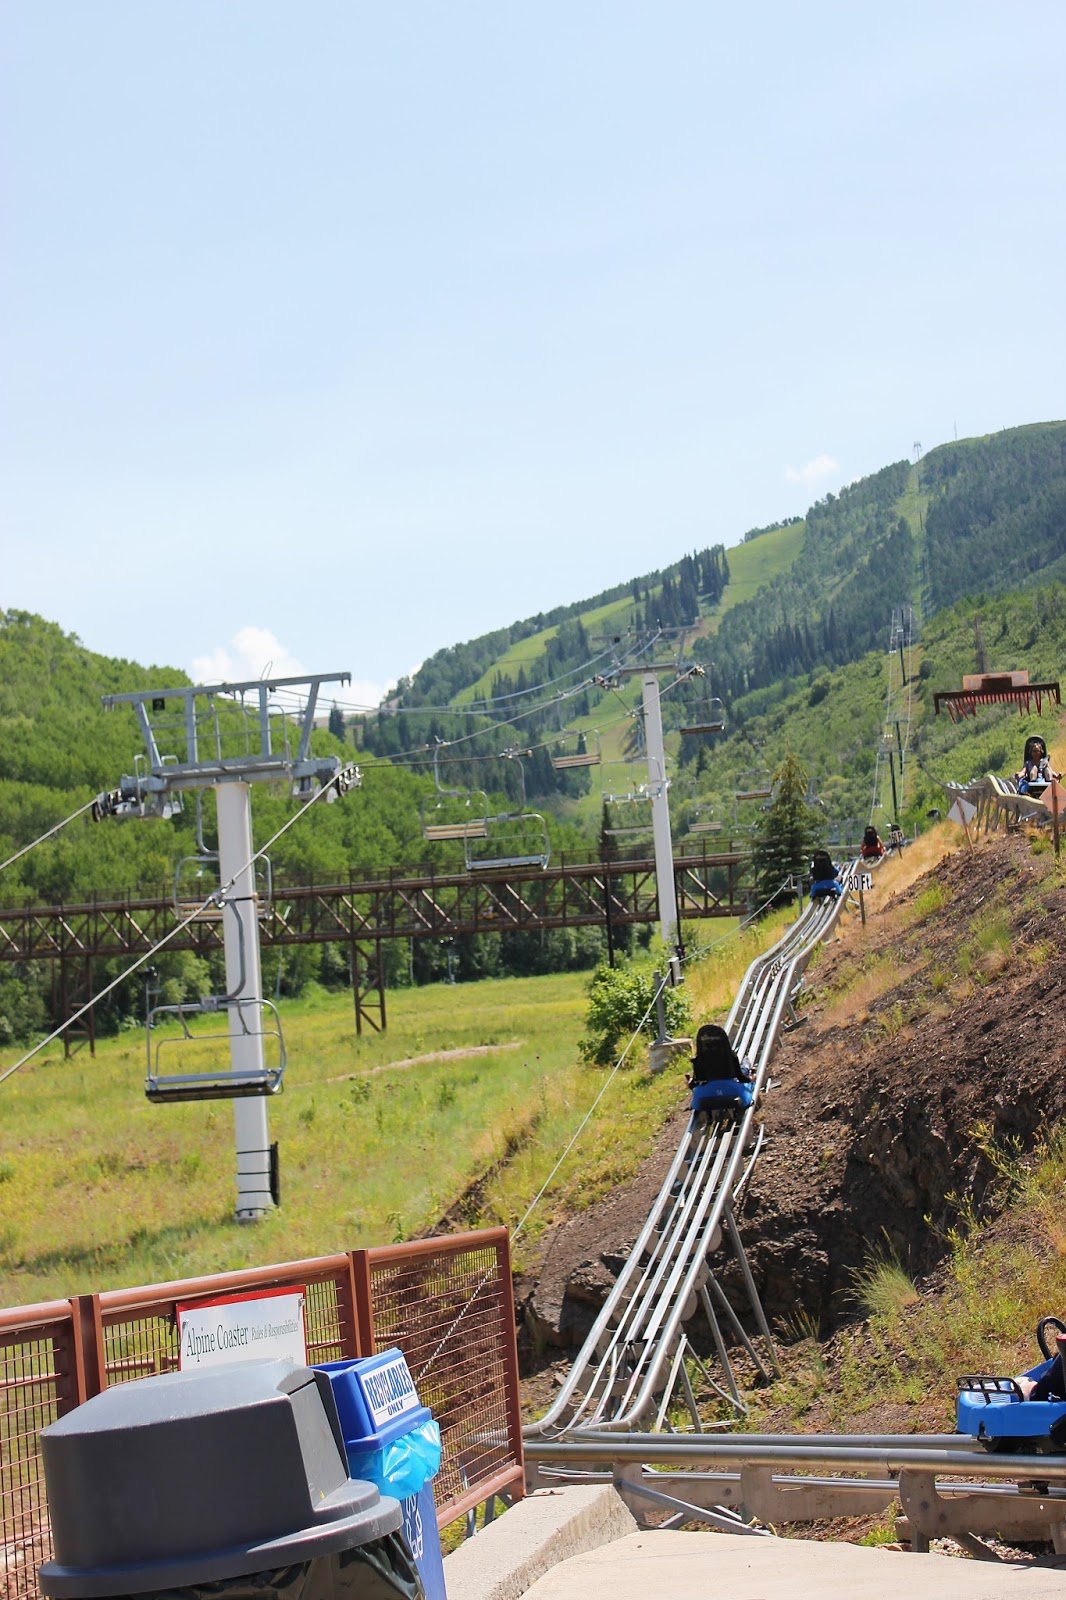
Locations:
(225, 737)
(658, 793)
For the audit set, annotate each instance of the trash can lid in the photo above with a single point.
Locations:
(190, 1477)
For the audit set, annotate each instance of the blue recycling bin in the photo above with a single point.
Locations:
(392, 1441)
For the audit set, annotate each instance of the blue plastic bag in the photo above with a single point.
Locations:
(402, 1467)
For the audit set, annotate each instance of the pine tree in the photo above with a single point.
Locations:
(336, 722)
(787, 833)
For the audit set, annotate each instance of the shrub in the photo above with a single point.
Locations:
(621, 1000)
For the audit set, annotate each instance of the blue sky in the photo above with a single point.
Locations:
(337, 333)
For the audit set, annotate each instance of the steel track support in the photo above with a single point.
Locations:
(749, 1284)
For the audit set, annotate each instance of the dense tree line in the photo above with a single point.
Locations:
(670, 598)
(833, 604)
(996, 516)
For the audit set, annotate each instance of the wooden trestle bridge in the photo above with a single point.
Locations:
(362, 913)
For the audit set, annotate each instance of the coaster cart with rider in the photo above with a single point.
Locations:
(1036, 773)
(1026, 1414)
(721, 1083)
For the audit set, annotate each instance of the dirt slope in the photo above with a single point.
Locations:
(937, 1025)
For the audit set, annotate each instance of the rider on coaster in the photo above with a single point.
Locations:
(873, 846)
(718, 1074)
(825, 878)
(1036, 771)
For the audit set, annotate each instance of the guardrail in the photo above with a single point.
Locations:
(447, 1303)
(735, 1482)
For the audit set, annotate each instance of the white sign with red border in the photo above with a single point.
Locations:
(242, 1327)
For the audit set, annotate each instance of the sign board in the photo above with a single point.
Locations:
(388, 1389)
(242, 1327)
(864, 881)
(962, 811)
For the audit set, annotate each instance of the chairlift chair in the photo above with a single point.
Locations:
(224, 1083)
(512, 839)
(708, 717)
(755, 784)
(704, 821)
(197, 888)
(448, 814)
(455, 815)
(572, 755)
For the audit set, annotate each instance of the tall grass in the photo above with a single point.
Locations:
(106, 1189)
(460, 1110)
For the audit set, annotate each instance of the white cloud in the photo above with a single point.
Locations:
(361, 692)
(253, 653)
(811, 475)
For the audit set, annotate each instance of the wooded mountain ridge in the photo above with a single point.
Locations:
(791, 627)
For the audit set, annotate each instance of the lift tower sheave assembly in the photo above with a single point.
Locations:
(226, 737)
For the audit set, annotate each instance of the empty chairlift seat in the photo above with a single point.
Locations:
(202, 1078)
(577, 750)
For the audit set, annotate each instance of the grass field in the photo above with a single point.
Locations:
(380, 1136)
(528, 652)
(753, 565)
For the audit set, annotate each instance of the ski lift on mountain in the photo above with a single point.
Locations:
(708, 716)
(512, 839)
(449, 814)
(577, 751)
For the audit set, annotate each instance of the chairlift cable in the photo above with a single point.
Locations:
(215, 896)
(517, 1229)
(401, 757)
(407, 757)
(488, 700)
(27, 848)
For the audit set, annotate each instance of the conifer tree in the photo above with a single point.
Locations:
(787, 833)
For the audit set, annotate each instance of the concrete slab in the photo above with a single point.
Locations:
(661, 1566)
(537, 1534)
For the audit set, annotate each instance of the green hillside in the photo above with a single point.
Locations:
(791, 627)
(798, 600)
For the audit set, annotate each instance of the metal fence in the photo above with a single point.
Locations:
(446, 1303)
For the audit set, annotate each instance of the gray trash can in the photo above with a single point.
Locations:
(224, 1481)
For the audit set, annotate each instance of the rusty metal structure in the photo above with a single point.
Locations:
(366, 910)
(446, 1303)
(995, 689)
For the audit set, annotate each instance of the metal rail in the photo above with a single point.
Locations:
(633, 1361)
(735, 1483)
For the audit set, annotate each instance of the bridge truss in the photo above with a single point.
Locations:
(363, 912)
